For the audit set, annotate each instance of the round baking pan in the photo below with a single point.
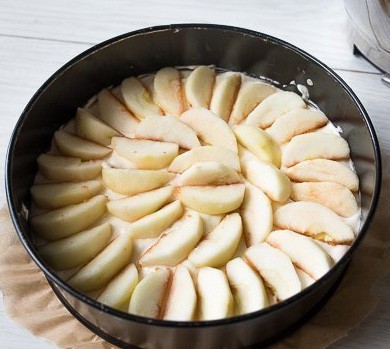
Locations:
(146, 51)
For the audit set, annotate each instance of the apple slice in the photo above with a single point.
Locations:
(204, 154)
(71, 145)
(154, 224)
(148, 296)
(145, 154)
(66, 221)
(91, 128)
(68, 169)
(130, 182)
(249, 96)
(199, 86)
(167, 91)
(208, 173)
(173, 246)
(306, 279)
(115, 114)
(259, 143)
(58, 195)
(257, 216)
(313, 146)
(296, 122)
(138, 99)
(225, 94)
(274, 106)
(218, 247)
(167, 129)
(332, 195)
(135, 207)
(276, 268)
(247, 287)
(323, 170)
(303, 251)
(104, 267)
(212, 200)
(314, 220)
(210, 221)
(182, 298)
(118, 292)
(77, 249)
(210, 128)
(215, 298)
(273, 182)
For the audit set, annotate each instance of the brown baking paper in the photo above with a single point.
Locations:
(29, 300)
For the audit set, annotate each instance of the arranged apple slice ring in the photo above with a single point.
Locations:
(194, 194)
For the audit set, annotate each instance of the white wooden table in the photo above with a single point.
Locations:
(38, 37)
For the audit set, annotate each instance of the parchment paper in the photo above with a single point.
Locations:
(29, 300)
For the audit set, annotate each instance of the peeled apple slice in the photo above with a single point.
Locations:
(167, 129)
(137, 206)
(182, 299)
(199, 86)
(218, 247)
(247, 287)
(58, 195)
(303, 251)
(323, 170)
(77, 249)
(138, 99)
(276, 268)
(215, 297)
(332, 195)
(173, 246)
(66, 221)
(148, 296)
(314, 220)
(259, 143)
(130, 182)
(314, 146)
(224, 94)
(273, 107)
(118, 292)
(104, 267)
(91, 128)
(208, 173)
(115, 114)
(210, 128)
(68, 169)
(212, 199)
(145, 154)
(296, 122)
(248, 98)
(71, 145)
(167, 91)
(204, 154)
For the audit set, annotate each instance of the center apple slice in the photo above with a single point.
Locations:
(208, 173)
(212, 200)
(208, 153)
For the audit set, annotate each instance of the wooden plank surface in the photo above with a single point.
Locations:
(37, 37)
